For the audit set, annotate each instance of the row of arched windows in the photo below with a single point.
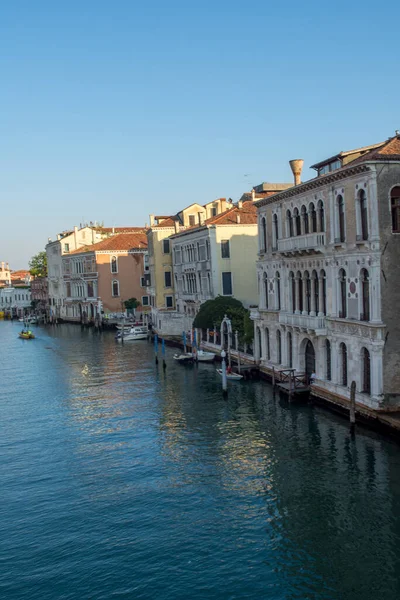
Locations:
(308, 293)
(343, 359)
(304, 222)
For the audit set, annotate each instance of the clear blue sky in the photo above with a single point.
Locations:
(110, 111)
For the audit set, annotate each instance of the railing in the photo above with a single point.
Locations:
(297, 380)
(302, 321)
(301, 243)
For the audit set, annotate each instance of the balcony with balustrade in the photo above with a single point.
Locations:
(302, 244)
(309, 323)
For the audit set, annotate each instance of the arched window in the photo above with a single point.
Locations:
(289, 224)
(340, 208)
(322, 277)
(278, 290)
(263, 234)
(313, 216)
(259, 342)
(278, 347)
(342, 294)
(304, 218)
(395, 205)
(328, 359)
(307, 291)
(290, 350)
(362, 199)
(267, 345)
(343, 361)
(314, 276)
(297, 222)
(366, 371)
(114, 264)
(300, 284)
(115, 287)
(364, 279)
(265, 287)
(275, 229)
(292, 291)
(321, 215)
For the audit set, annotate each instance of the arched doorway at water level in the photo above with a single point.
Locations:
(309, 356)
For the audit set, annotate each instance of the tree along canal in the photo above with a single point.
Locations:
(120, 480)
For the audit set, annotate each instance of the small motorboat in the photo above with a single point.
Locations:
(184, 357)
(231, 376)
(134, 333)
(26, 335)
(203, 356)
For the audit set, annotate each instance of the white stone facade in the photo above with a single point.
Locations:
(15, 301)
(319, 281)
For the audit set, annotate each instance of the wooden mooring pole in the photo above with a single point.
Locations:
(273, 376)
(352, 407)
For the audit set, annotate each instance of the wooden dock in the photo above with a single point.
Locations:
(290, 382)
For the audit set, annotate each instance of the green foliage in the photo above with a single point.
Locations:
(212, 313)
(131, 304)
(38, 265)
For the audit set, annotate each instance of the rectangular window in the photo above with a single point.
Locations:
(145, 300)
(168, 301)
(213, 211)
(66, 247)
(68, 286)
(192, 220)
(166, 246)
(225, 249)
(142, 282)
(167, 279)
(227, 284)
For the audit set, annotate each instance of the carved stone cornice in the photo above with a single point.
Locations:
(312, 184)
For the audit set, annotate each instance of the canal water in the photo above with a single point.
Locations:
(118, 480)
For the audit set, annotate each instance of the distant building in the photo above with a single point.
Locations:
(5, 274)
(161, 286)
(40, 294)
(15, 301)
(328, 276)
(67, 242)
(99, 278)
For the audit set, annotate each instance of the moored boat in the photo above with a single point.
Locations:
(231, 376)
(203, 356)
(134, 333)
(184, 357)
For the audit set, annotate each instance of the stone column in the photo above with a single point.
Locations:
(304, 296)
(313, 307)
(320, 297)
(297, 296)
(208, 335)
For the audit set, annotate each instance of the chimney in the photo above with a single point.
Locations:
(253, 194)
(7, 267)
(177, 226)
(151, 217)
(296, 165)
(240, 204)
(76, 236)
(238, 219)
(2, 265)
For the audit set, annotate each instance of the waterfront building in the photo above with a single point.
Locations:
(5, 274)
(15, 301)
(328, 280)
(40, 294)
(67, 242)
(99, 278)
(160, 282)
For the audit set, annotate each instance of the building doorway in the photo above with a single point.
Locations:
(309, 360)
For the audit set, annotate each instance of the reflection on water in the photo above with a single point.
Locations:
(118, 479)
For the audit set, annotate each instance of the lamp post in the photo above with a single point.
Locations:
(224, 378)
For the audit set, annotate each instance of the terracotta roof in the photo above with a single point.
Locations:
(120, 242)
(363, 150)
(390, 150)
(167, 222)
(248, 215)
